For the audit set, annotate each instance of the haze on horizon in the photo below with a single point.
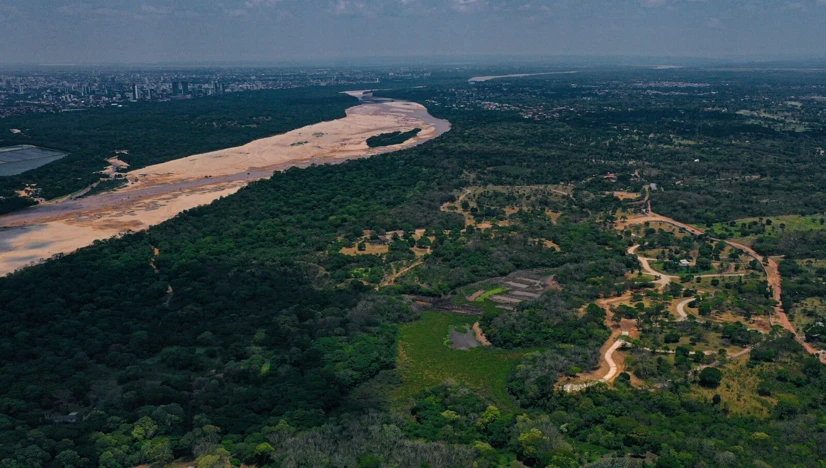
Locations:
(157, 31)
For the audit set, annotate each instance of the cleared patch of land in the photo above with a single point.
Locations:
(738, 390)
(426, 360)
(490, 293)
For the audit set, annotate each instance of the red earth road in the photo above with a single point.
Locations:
(772, 275)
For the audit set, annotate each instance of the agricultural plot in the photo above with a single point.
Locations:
(426, 359)
(492, 292)
(507, 292)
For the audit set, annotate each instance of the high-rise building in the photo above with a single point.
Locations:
(136, 92)
(184, 88)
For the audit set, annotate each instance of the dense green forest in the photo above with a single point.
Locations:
(256, 340)
(153, 133)
(393, 138)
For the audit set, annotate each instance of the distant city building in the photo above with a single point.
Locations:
(136, 92)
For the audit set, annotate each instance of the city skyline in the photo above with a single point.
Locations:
(274, 31)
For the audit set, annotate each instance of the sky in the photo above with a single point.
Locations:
(275, 31)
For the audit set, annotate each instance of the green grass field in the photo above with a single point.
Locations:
(492, 292)
(425, 361)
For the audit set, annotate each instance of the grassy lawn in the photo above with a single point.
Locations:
(425, 361)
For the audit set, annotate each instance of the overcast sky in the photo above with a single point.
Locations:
(133, 31)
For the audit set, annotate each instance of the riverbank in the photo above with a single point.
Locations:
(157, 193)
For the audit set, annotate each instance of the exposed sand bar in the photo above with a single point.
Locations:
(157, 193)
(479, 79)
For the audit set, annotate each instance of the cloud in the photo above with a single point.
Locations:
(7, 11)
(235, 12)
(250, 4)
(715, 23)
(155, 10)
(661, 3)
(347, 7)
(794, 6)
(73, 8)
(464, 6)
(246, 6)
(534, 7)
(89, 10)
(359, 8)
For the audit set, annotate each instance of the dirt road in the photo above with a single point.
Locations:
(770, 267)
(661, 279)
(608, 368)
(609, 358)
(681, 309)
(397, 274)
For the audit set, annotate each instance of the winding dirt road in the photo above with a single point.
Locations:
(608, 368)
(681, 309)
(770, 267)
(661, 279)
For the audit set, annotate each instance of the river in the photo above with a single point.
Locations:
(157, 193)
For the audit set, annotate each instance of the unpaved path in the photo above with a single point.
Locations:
(720, 275)
(728, 358)
(681, 309)
(770, 267)
(396, 274)
(609, 358)
(157, 193)
(607, 370)
(661, 279)
(476, 295)
(480, 337)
